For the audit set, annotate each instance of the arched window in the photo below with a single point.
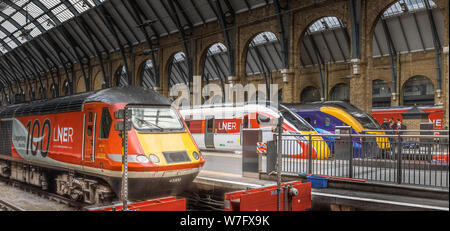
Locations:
(418, 90)
(381, 94)
(148, 78)
(264, 54)
(179, 70)
(340, 92)
(406, 24)
(327, 40)
(216, 64)
(121, 77)
(310, 94)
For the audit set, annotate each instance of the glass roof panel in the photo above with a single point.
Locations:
(149, 64)
(34, 10)
(81, 6)
(404, 6)
(179, 57)
(2, 35)
(46, 22)
(217, 48)
(25, 15)
(8, 26)
(264, 37)
(326, 23)
(62, 13)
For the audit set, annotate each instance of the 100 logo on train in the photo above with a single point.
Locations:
(40, 140)
(36, 137)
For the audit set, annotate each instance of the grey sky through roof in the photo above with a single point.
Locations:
(23, 20)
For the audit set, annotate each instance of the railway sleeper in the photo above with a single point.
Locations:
(83, 189)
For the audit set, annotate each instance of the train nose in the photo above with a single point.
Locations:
(169, 149)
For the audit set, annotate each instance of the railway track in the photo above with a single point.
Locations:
(5, 205)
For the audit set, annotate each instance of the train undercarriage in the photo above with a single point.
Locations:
(73, 185)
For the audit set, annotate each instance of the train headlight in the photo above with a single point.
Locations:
(154, 158)
(142, 159)
(196, 155)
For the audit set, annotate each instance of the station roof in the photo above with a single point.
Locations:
(37, 36)
(40, 35)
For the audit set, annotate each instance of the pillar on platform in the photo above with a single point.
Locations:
(288, 85)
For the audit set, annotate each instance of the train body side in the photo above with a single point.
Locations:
(436, 115)
(220, 128)
(84, 141)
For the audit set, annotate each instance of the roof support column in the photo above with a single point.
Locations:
(143, 25)
(229, 33)
(393, 59)
(112, 28)
(175, 16)
(355, 19)
(437, 48)
(320, 62)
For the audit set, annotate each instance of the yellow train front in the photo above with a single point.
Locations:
(163, 159)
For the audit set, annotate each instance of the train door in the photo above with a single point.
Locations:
(90, 125)
(244, 125)
(209, 132)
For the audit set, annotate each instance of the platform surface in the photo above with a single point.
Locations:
(225, 169)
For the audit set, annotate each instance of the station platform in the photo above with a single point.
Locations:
(223, 172)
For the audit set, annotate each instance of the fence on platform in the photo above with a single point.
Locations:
(396, 158)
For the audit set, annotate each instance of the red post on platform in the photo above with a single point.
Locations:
(265, 199)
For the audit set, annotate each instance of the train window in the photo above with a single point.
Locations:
(245, 122)
(210, 126)
(262, 118)
(105, 125)
(297, 121)
(89, 130)
(307, 119)
(90, 117)
(188, 123)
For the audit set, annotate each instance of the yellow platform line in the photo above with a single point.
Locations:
(222, 155)
(220, 173)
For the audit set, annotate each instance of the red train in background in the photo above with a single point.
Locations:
(69, 145)
(436, 114)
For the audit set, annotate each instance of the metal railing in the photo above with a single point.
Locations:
(400, 159)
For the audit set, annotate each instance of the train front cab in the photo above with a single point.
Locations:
(296, 124)
(162, 155)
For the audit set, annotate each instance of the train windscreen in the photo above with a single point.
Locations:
(162, 119)
(296, 120)
(367, 121)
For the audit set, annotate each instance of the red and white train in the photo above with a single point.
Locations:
(219, 127)
(69, 145)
